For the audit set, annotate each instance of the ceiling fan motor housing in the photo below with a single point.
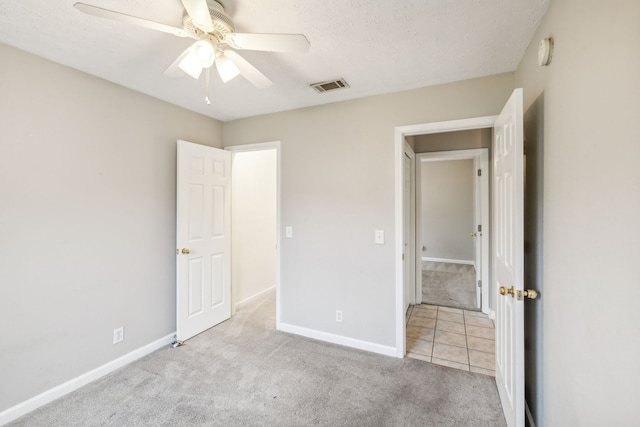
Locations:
(221, 21)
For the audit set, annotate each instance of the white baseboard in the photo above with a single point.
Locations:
(260, 294)
(492, 314)
(528, 414)
(338, 339)
(54, 393)
(448, 260)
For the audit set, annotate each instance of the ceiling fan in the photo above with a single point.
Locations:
(214, 32)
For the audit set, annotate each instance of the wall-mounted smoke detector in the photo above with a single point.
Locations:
(330, 85)
(545, 52)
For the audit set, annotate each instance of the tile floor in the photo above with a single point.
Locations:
(452, 337)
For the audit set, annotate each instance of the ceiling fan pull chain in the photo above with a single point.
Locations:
(206, 98)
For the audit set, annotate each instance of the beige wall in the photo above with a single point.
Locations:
(338, 187)
(87, 220)
(447, 141)
(589, 99)
(253, 223)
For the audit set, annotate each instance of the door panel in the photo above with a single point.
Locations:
(508, 257)
(203, 226)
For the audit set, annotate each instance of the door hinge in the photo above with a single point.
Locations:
(479, 172)
(479, 283)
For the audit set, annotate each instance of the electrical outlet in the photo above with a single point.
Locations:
(339, 316)
(118, 335)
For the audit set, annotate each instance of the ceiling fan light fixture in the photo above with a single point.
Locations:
(191, 66)
(204, 52)
(226, 68)
(201, 55)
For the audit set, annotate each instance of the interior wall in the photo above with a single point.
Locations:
(254, 195)
(449, 141)
(447, 209)
(337, 171)
(589, 346)
(87, 183)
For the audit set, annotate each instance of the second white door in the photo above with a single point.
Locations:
(508, 257)
(203, 235)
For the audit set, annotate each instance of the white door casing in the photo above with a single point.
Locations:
(203, 229)
(401, 132)
(508, 257)
(409, 229)
(480, 157)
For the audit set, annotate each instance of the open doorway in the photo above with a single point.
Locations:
(452, 225)
(255, 223)
(446, 325)
(429, 138)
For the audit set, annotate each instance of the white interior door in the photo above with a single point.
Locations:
(203, 235)
(508, 257)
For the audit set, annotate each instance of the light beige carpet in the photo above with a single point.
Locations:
(245, 373)
(449, 285)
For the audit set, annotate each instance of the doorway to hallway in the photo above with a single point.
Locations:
(452, 221)
(255, 222)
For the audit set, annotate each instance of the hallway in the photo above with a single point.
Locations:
(452, 337)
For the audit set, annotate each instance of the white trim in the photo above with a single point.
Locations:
(492, 314)
(251, 299)
(450, 261)
(410, 255)
(399, 138)
(399, 237)
(338, 339)
(63, 389)
(258, 146)
(269, 146)
(529, 415)
(448, 126)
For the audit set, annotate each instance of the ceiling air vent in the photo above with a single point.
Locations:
(330, 85)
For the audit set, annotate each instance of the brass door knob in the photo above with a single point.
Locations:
(186, 251)
(507, 291)
(474, 234)
(530, 293)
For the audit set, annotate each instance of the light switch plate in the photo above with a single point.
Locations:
(379, 237)
(288, 232)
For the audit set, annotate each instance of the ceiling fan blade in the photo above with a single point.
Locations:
(117, 16)
(293, 43)
(248, 71)
(199, 13)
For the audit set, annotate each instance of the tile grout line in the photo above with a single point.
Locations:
(435, 327)
(466, 340)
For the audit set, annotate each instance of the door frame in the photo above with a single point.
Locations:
(410, 252)
(401, 132)
(261, 146)
(480, 157)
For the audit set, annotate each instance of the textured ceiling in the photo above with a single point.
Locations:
(377, 46)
